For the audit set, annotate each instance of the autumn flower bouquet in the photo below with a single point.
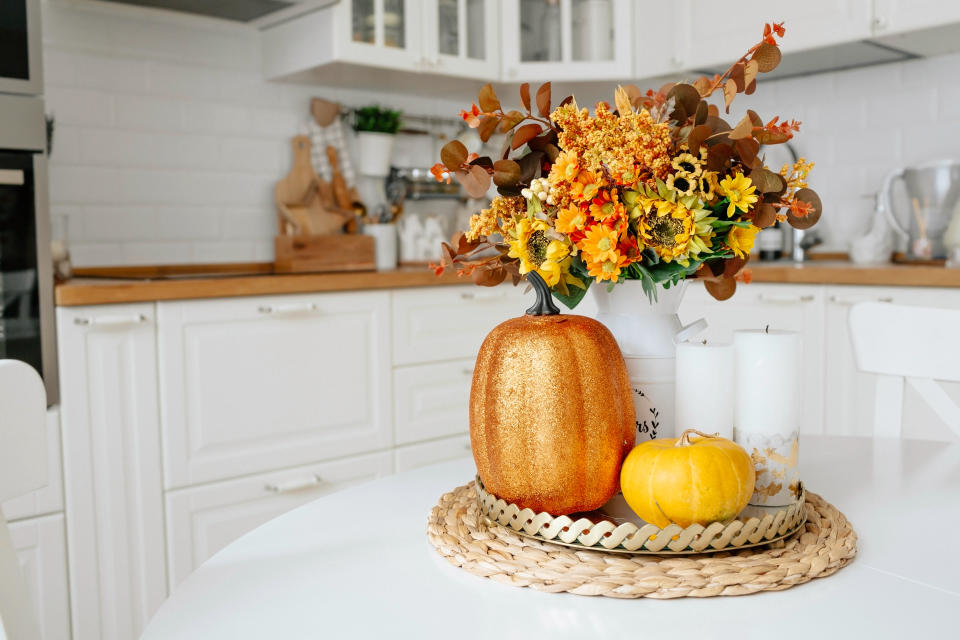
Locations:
(657, 188)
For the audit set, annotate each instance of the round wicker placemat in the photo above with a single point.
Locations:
(466, 539)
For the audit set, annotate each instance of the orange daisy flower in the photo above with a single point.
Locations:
(571, 219)
(607, 269)
(606, 206)
(600, 243)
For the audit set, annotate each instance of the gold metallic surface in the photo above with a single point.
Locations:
(551, 413)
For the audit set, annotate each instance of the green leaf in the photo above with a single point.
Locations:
(573, 296)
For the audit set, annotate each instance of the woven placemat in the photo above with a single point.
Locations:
(466, 539)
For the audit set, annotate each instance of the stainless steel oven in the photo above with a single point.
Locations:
(20, 65)
(27, 330)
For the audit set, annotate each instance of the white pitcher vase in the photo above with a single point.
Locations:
(647, 333)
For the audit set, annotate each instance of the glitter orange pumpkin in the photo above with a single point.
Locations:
(551, 410)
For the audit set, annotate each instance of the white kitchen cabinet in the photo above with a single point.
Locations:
(49, 498)
(899, 16)
(112, 475)
(567, 40)
(414, 456)
(461, 37)
(431, 400)
(849, 395)
(254, 384)
(446, 323)
(755, 306)
(202, 520)
(712, 35)
(41, 547)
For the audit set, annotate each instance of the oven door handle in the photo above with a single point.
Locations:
(11, 177)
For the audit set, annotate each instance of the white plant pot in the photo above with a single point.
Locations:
(375, 150)
(647, 334)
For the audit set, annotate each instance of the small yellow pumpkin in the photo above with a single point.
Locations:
(694, 478)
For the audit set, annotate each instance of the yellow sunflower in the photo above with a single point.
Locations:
(667, 231)
(687, 163)
(537, 251)
(740, 191)
(682, 183)
(740, 240)
(599, 244)
(571, 219)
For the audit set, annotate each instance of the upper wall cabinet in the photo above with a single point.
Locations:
(712, 35)
(920, 27)
(452, 37)
(566, 40)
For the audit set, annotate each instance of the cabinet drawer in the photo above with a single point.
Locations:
(420, 455)
(41, 547)
(49, 498)
(251, 384)
(431, 400)
(447, 323)
(203, 520)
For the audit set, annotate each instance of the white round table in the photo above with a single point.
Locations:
(300, 577)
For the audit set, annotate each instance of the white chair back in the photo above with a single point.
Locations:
(919, 345)
(23, 468)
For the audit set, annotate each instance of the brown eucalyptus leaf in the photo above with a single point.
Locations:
(764, 216)
(463, 245)
(701, 115)
(488, 99)
(767, 181)
(717, 124)
(737, 73)
(754, 118)
(767, 57)
(447, 254)
(530, 164)
(525, 134)
(525, 96)
(475, 182)
(622, 101)
(765, 136)
(482, 161)
(453, 154)
(713, 110)
(810, 196)
(552, 151)
(718, 156)
(750, 88)
(634, 94)
(744, 129)
(686, 98)
(721, 288)
(750, 72)
(732, 266)
(729, 93)
(747, 149)
(702, 85)
(489, 277)
(510, 120)
(540, 142)
(506, 173)
(698, 136)
(488, 126)
(543, 100)
(565, 101)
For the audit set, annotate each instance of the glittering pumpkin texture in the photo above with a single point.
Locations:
(551, 413)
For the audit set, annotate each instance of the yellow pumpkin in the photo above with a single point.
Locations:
(696, 478)
(551, 410)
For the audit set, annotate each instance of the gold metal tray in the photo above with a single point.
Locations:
(614, 527)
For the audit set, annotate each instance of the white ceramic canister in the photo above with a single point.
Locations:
(647, 333)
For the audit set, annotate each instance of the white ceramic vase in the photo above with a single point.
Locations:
(375, 149)
(647, 333)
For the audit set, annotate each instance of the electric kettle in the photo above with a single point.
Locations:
(933, 190)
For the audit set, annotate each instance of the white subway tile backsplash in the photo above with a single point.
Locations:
(149, 113)
(79, 107)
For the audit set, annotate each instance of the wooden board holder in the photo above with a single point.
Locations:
(327, 253)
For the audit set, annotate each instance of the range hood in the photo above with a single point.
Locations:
(254, 12)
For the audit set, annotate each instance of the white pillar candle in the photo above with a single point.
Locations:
(767, 414)
(704, 388)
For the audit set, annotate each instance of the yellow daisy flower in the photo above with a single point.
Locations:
(570, 219)
(599, 244)
(740, 191)
(740, 240)
(537, 251)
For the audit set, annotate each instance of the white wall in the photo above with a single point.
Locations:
(168, 141)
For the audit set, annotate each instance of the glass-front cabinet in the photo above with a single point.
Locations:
(382, 33)
(566, 39)
(462, 38)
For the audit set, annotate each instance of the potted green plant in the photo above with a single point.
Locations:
(376, 129)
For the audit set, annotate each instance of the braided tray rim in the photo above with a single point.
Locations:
(627, 537)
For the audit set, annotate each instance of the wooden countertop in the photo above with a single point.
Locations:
(147, 284)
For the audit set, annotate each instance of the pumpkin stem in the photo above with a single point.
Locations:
(544, 305)
(684, 440)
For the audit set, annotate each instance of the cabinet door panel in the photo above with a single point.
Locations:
(111, 465)
(792, 307)
(203, 520)
(431, 400)
(41, 547)
(251, 384)
(448, 323)
(414, 456)
(49, 498)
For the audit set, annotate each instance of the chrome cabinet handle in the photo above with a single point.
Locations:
(851, 300)
(288, 308)
(469, 295)
(110, 321)
(294, 485)
(777, 298)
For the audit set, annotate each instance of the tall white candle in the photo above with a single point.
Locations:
(704, 388)
(767, 415)
(768, 370)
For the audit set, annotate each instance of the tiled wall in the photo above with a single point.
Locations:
(168, 141)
